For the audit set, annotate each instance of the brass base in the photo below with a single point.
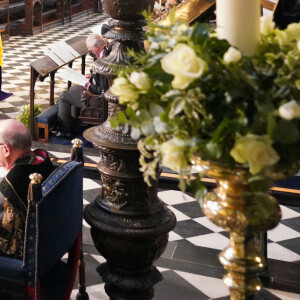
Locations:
(244, 212)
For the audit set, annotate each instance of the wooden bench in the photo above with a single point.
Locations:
(44, 122)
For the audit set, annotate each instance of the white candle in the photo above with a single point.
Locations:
(238, 22)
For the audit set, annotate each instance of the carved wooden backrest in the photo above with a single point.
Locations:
(95, 110)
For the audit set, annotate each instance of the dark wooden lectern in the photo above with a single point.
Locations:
(44, 66)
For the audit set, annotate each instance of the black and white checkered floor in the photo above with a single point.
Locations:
(19, 52)
(190, 264)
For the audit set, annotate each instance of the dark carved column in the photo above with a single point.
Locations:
(129, 223)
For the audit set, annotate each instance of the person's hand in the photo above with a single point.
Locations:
(86, 87)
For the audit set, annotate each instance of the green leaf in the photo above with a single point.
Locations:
(215, 150)
(219, 131)
(177, 107)
(271, 125)
(286, 132)
(198, 189)
(182, 185)
(172, 14)
(113, 122)
(130, 112)
(122, 117)
(259, 183)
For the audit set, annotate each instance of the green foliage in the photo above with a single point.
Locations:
(211, 110)
(24, 115)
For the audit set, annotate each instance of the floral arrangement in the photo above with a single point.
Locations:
(24, 114)
(191, 93)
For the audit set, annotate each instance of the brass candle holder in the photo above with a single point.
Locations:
(244, 211)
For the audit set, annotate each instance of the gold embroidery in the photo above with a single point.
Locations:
(13, 246)
(13, 223)
(8, 217)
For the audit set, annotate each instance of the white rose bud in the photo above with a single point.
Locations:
(232, 55)
(159, 125)
(140, 80)
(184, 64)
(135, 133)
(289, 110)
(266, 24)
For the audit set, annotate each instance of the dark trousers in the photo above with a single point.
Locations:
(67, 99)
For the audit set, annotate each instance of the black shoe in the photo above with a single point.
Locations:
(60, 134)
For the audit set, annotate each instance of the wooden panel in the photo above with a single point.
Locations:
(270, 5)
(190, 10)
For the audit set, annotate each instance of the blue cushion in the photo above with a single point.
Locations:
(49, 116)
(11, 268)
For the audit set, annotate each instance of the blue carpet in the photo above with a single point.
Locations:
(67, 141)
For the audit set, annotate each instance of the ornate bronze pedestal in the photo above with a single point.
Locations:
(129, 223)
(244, 212)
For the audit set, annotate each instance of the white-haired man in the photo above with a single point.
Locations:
(20, 161)
(96, 84)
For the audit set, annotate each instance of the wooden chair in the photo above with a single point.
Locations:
(95, 110)
(53, 228)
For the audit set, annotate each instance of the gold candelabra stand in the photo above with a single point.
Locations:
(244, 210)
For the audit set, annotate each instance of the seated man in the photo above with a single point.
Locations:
(20, 161)
(96, 84)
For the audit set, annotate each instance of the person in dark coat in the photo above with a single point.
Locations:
(96, 84)
(20, 161)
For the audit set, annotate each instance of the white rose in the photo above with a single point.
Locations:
(154, 45)
(184, 64)
(255, 150)
(173, 154)
(266, 24)
(124, 90)
(135, 133)
(289, 110)
(232, 55)
(182, 28)
(283, 37)
(140, 80)
(294, 30)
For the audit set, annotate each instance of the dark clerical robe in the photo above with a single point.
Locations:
(13, 201)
